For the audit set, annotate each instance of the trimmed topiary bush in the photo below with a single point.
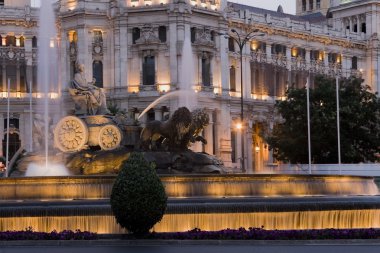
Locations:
(138, 198)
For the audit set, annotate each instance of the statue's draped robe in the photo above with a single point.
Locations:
(94, 96)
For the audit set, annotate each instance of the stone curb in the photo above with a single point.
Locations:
(118, 243)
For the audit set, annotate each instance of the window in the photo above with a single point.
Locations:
(278, 49)
(311, 6)
(303, 5)
(162, 33)
(354, 62)
(13, 122)
(34, 42)
(355, 28)
(11, 71)
(23, 84)
(135, 35)
(233, 78)
(35, 72)
(149, 71)
(151, 115)
(98, 37)
(233, 146)
(1, 2)
(193, 32)
(11, 40)
(97, 73)
(1, 78)
(206, 79)
(318, 4)
(231, 45)
(22, 41)
(364, 28)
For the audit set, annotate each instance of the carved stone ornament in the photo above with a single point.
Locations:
(11, 55)
(109, 137)
(204, 38)
(98, 49)
(70, 134)
(148, 36)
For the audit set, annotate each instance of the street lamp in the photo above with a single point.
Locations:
(241, 40)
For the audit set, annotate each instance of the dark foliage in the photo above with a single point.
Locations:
(138, 198)
(29, 234)
(262, 234)
(359, 124)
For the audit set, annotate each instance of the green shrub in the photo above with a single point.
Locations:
(138, 198)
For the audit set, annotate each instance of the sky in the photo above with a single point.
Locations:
(289, 6)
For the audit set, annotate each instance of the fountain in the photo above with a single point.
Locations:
(210, 201)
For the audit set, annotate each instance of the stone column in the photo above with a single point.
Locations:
(326, 61)
(224, 60)
(158, 114)
(350, 20)
(173, 49)
(248, 148)
(268, 51)
(289, 57)
(29, 61)
(83, 50)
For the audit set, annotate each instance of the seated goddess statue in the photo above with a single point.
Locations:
(88, 99)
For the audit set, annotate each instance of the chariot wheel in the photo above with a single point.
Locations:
(70, 134)
(109, 137)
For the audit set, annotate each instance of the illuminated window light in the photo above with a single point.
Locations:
(52, 44)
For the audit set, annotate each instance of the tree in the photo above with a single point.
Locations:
(138, 198)
(359, 124)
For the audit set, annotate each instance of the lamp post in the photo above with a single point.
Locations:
(241, 40)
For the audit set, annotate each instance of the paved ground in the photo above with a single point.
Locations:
(363, 246)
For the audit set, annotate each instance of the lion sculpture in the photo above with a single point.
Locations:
(182, 129)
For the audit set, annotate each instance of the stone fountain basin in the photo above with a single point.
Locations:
(191, 186)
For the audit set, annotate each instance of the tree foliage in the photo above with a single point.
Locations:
(138, 198)
(359, 124)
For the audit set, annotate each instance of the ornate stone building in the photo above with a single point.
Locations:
(305, 7)
(134, 50)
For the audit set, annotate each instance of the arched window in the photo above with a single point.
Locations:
(233, 78)
(149, 70)
(354, 62)
(303, 5)
(34, 42)
(11, 40)
(206, 71)
(162, 33)
(97, 73)
(135, 34)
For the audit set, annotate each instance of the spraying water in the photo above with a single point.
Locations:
(186, 79)
(47, 65)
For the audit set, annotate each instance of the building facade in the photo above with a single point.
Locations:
(305, 7)
(134, 50)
